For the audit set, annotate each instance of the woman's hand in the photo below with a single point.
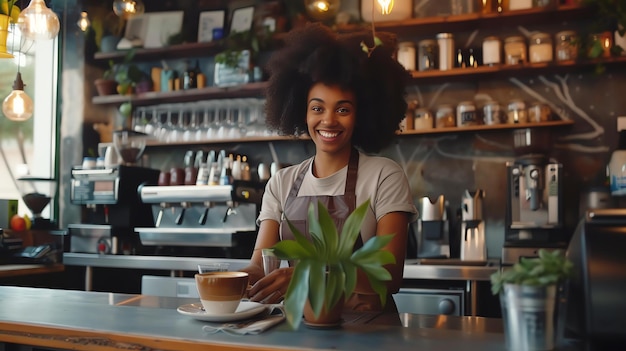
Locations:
(272, 287)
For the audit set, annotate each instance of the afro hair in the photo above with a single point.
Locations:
(315, 54)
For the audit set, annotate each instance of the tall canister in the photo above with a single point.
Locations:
(473, 244)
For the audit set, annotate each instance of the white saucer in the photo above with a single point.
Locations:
(246, 309)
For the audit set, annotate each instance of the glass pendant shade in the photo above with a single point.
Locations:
(84, 22)
(128, 8)
(322, 9)
(18, 106)
(37, 21)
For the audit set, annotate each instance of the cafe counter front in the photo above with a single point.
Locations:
(81, 320)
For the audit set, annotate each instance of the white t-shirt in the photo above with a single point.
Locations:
(379, 179)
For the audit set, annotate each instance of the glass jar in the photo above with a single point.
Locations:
(492, 113)
(466, 114)
(540, 49)
(600, 44)
(427, 55)
(445, 117)
(539, 112)
(516, 112)
(566, 46)
(515, 50)
(445, 42)
(406, 55)
(423, 119)
(492, 48)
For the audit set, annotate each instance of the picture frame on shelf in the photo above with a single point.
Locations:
(161, 26)
(242, 19)
(207, 22)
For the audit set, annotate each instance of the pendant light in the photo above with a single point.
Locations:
(37, 21)
(84, 22)
(18, 106)
(322, 9)
(128, 8)
(385, 6)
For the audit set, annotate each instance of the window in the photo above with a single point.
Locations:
(29, 145)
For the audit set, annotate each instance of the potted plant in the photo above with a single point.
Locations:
(9, 12)
(121, 78)
(528, 295)
(234, 64)
(325, 274)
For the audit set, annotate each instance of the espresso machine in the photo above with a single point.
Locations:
(208, 220)
(111, 208)
(473, 244)
(534, 214)
(433, 230)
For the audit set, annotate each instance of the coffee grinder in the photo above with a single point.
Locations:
(534, 215)
(473, 242)
(111, 208)
(433, 234)
(37, 193)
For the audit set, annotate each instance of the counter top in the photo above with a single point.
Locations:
(15, 270)
(80, 320)
(412, 268)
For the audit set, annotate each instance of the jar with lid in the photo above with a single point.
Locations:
(566, 46)
(445, 117)
(540, 49)
(539, 112)
(514, 50)
(600, 44)
(406, 55)
(516, 112)
(466, 114)
(492, 48)
(492, 113)
(445, 42)
(423, 119)
(428, 56)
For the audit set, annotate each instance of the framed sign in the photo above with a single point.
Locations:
(161, 26)
(242, 19)
(209, 20)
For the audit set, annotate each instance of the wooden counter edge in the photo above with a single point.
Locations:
(94, 340)
(16, 270)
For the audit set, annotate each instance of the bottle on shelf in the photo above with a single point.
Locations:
(617, 167)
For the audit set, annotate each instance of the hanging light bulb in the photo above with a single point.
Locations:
(128, 8)
(322, 9)
(18, 106)
(385, 6)
(37, 21)
(84, 22)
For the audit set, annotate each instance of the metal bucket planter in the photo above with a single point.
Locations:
(4, 34)
(528, 313)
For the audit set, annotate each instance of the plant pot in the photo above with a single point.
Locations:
(4, 34)
(528, 314)
(330, 319)
(105, 86)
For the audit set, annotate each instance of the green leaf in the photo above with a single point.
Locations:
(376, 271)
(297, 293)
(317, 284)
(372, 245)
(291, 250)
(335, 283)
(351, 229)
(328, 231)
(301, 239)
(350, 271)
(379, 287)
(316, 231)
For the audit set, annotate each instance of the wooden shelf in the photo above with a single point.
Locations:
(481, 128)
(505, 71)
(154, 97)
(472, 21)
(167, 52)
